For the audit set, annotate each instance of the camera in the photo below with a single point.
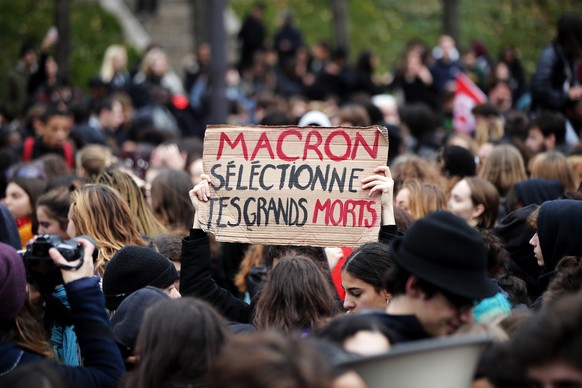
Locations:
(38, 249)
(41, 270)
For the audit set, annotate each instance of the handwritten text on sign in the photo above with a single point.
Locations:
(292, 185)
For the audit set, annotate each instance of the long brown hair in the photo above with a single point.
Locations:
(27, 332)
(171, 200)
(179, 341)
(295, 297)
(554, 165)
(413, 167)
(145, 221)
(425, 198)
(273, 360)
(99, 212)
(484, 193)
(504, 168)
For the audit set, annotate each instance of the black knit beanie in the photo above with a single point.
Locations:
(133, 268)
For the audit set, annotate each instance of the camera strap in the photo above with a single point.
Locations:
(58, 309)
(71, 267)
(66, 317)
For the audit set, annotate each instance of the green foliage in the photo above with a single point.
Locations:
(385, 26)
(92, 30)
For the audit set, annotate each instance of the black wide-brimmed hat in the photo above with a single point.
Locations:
(443, 250)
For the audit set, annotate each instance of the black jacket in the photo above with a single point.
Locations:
(103, 364)
(553, 70)
(196, 279)
(403, 328)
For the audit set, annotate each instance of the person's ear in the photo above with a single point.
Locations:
(478, 210)
(82, 172)
(550, 141)
(386, 295)
(412, 289)
(38, 126)
(39, 130)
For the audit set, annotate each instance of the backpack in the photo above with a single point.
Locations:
(28, 149)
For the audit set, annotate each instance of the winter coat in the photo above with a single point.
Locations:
(103, 364)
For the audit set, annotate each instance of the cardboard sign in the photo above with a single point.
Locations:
(292, 185)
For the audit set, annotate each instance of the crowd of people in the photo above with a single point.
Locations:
(108, 280)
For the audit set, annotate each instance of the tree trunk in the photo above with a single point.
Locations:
(217, 34)
(451, 18)
(200, 27)
(63, 24)
(341, 28)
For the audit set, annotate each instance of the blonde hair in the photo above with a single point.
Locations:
(504, 168)
(425, 198)
(99, 212)
(489, 129)
(554, 165)
(464, 138)
(150, 58)
(107, 71)
(575, 162)
(94, 159)
(145, 221)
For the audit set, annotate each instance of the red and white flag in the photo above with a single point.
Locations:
(467, 95)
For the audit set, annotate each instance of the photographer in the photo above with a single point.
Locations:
(21, 341)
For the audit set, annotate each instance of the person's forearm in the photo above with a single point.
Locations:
(102, 360)
(388, 215)
(196, 279)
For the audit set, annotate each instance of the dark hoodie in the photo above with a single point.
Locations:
(559, 232)
(538, 191)
(515, 234)
(8, 229)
